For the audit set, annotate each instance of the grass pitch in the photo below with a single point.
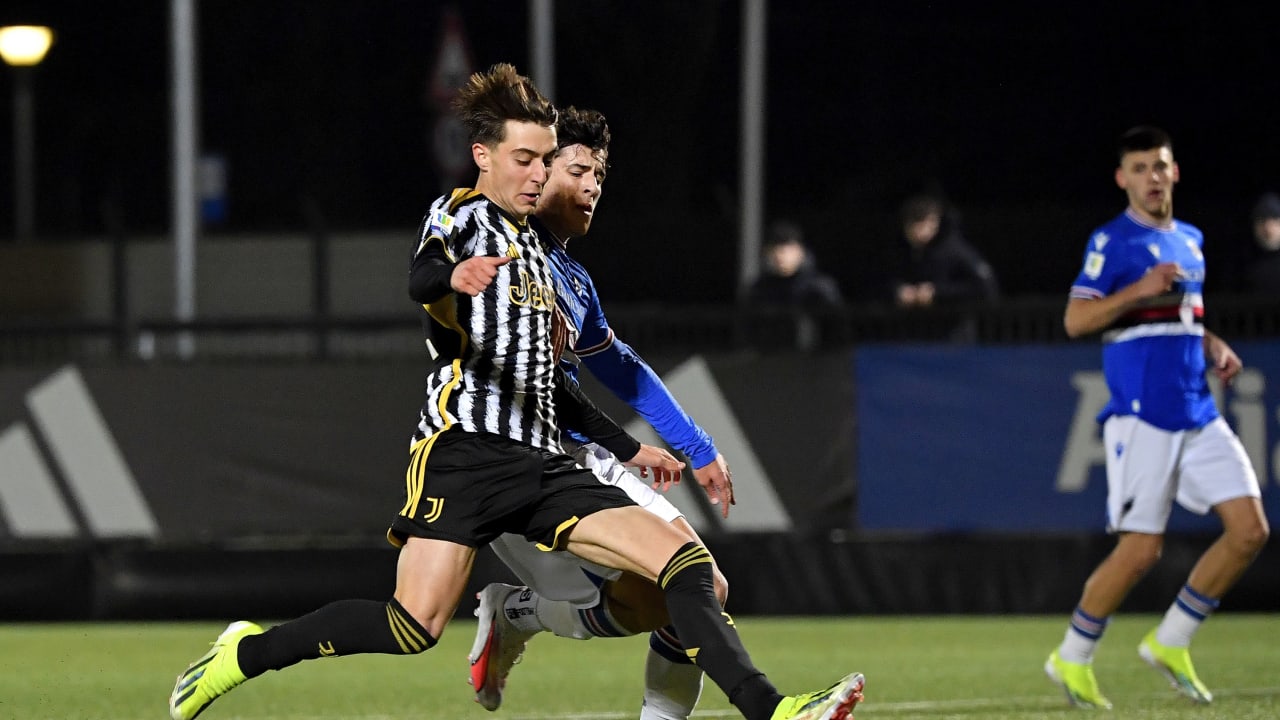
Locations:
(916, 667)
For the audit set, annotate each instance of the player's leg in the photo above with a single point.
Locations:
(437, 551)
(1216, 473)
(430, 577)
(1141, 462)
(556, 595)
(630, 604)
(639, 542)
(672, 682)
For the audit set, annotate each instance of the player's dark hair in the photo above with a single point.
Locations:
(584, 127)
(1144, 137)
(491, 98)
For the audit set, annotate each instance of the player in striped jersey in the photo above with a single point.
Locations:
(1141, 287)
(566, 595)
(487, 457)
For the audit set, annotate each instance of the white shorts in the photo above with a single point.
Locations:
(562, 575)
(1149, 468)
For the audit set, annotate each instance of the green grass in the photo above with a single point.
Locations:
(986, 668)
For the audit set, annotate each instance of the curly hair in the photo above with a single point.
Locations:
(584, 127)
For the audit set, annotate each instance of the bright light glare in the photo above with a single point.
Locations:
(24, 44)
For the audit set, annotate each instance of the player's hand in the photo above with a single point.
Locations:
(1158, 280)
(559, 332)
(473, 275)
(924, 293)
(1222, 359)
(717, 481)
(658, 462)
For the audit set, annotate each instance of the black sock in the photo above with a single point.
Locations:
(708, 634)
(346, 627)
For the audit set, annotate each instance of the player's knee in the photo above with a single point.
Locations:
(721, 586)
(1139, 552)
(411, 634)
(690, 570)
(1251, 539)
(637, 604)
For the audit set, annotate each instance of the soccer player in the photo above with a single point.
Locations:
(1165, 441)
(487, 457)
(565, 595)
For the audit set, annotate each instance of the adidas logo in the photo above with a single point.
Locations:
(68, 440)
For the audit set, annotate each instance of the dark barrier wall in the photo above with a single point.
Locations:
(161, 491)
(215, 452)
(1006, 438)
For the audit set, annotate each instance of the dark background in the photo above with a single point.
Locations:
(1012, 107)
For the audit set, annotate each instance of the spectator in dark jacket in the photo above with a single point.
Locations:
(934, 264)
(790, 277)
(1262, 274)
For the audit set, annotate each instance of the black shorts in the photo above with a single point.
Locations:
(469, 488)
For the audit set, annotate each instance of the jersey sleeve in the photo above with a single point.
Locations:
(629, 377)
(431, 267)
(1101, 267)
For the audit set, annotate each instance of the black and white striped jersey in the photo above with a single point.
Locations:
(494, 367)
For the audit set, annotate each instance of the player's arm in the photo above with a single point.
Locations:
(1224, 361)
(576, 411)
(1090, 315)
(433, 274)
(630, 378)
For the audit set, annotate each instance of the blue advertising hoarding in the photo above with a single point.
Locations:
(1004, 438)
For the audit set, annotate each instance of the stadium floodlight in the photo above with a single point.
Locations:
(23, 47)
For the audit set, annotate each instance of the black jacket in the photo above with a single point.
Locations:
(958, 273)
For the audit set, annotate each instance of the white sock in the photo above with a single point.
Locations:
(532, 613)
(1184, 617)
(671, 689)
(1082, 637)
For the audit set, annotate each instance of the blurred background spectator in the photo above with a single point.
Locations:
(932, 263)
(789, 275)
(1262, 273)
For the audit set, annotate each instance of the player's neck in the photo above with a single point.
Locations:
(557, 236)
(1146, 218)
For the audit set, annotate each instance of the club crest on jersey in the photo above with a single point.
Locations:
(1100, 241)
(1155, 250)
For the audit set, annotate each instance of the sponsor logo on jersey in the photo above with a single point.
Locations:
(1093, 265)
(441, 224)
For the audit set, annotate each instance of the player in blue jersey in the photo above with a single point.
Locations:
(565, 595)
(1140, 286)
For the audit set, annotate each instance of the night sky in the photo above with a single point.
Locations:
(1012, 107)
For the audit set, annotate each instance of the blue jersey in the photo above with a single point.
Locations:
(614, 363)
(1153, 355)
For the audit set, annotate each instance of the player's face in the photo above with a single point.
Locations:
(573, 188)
(513, 173)
(1148, 177)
